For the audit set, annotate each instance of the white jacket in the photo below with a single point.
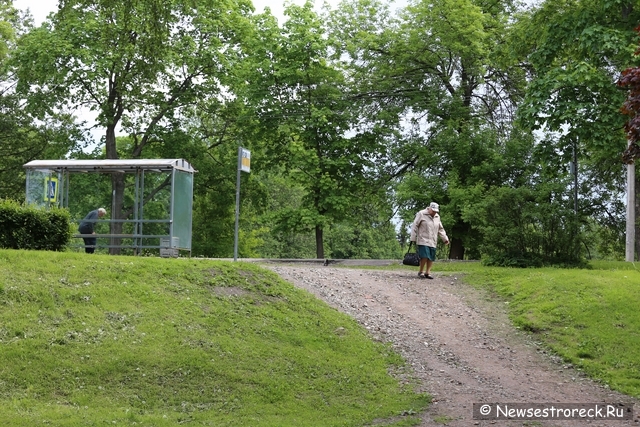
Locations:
(426, 229)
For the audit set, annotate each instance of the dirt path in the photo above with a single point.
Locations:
(461, 346)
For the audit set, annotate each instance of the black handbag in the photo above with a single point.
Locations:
(411, 258)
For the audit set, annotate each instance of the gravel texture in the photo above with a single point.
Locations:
(458, 341)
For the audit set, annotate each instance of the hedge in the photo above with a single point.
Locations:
(29, 227)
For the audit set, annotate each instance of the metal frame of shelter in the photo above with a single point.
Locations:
(48, 185)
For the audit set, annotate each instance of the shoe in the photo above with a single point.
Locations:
(428, 276)
(422, 275)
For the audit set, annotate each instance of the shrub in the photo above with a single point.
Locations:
(28, 227)
(526, 228)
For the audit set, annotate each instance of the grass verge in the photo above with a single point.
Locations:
(589, 317)
(95, 340)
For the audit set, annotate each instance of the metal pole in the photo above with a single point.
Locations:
(631, 214)
(141, 214)
(66, 189)
(60, 201)
(575, 179)
(136, 202)
(172, 208)
(235, 243)
(112, 240)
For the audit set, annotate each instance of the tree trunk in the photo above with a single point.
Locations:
(319, 242)
(117, 201)
(456, 249)
(117, 190)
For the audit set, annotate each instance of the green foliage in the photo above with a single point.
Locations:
(477, 162)
(213, 227)
(309, 125)
(286, 230)
(576, 49)
(603, 241)
(27, 227)
(522, 227)
(103, 340)
(347, 241)
(343, 240)
(438, 74)
(152, 68)
(141, 66)
(351, 108)
(8, 23)
(214, 204)
(22, 138)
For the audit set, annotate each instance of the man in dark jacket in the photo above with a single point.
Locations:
(87, 226)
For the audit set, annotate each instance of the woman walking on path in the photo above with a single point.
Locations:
(425, 230)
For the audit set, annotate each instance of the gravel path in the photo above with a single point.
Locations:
(461, 345)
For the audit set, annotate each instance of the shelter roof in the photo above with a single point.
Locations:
(112, 165)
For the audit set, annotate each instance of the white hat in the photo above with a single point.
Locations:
(434, 207)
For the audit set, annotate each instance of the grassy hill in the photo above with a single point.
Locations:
(96, 340)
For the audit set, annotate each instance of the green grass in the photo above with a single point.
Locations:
(589, 317)
(98, 340)
(443, 419)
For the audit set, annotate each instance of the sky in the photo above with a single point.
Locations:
(40, 9)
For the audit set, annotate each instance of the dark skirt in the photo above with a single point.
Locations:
(427, 252)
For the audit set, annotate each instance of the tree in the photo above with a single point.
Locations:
(138, 65)
(631, 107)
(573, 51)
(367, 232)
(8, 20)
(308, 123)
(439, 74)
(22, 138)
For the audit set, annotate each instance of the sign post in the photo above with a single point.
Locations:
(631, 213)
(244, 165)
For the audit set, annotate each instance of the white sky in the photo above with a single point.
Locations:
(40, 9)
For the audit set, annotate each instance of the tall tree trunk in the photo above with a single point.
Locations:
(456, 245)
(319, 242)
(117, 186)
(117, 190)
(456, 249)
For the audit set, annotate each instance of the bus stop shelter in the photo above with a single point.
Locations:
(49, 184)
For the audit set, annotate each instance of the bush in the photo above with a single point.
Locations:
(526, 228)
(28, 227)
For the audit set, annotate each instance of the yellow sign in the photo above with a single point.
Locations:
(51, 189)
(246, 161)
